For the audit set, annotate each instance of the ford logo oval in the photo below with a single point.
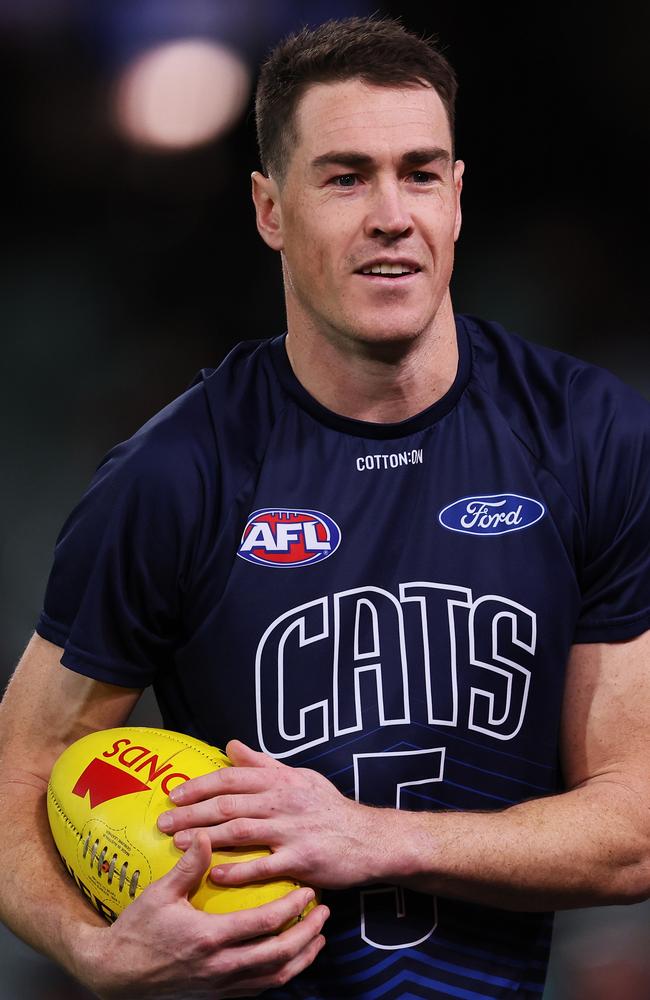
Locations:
(493, 514)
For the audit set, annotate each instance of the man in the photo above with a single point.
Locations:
(397, 559)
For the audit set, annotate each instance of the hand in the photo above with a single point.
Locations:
(315, 833)
(162, 947)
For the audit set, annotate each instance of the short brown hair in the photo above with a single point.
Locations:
(378, 51)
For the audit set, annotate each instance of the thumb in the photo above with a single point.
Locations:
(186, 875)
(243, 756)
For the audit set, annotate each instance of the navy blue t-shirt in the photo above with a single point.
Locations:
(390, 604)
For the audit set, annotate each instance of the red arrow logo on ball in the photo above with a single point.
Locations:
(104, 781)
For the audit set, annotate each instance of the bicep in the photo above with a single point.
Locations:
(605, 734)
(46, 707)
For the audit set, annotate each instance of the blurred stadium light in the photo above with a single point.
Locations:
(181, 94)
(185, 69)
(181, 73)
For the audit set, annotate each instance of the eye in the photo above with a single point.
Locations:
(423, 177)
(345, 180)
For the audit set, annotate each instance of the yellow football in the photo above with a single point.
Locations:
(105, 794)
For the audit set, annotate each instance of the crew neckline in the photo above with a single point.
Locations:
(368, 428)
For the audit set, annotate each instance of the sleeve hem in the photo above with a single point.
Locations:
(48, 629)
(82, 662)
(616, 631)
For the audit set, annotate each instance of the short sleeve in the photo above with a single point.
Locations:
(122, 562)
(612, 430)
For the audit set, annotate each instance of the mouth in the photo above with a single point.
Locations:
(391, 270)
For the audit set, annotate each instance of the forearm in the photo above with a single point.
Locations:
(39, 901)
(45, 708)
(164, 946)
(585, 847)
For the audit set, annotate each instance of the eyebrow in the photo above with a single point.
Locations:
(350, 158)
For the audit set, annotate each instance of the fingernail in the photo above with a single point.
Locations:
(183, 839)
(217, 872)
(177, 794)
(165, 822)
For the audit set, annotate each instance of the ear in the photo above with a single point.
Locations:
(268, 214)
(459, 170)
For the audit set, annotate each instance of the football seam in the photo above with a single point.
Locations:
(61, 810)
(170, 735)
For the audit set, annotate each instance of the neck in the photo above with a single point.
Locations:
(380, 382)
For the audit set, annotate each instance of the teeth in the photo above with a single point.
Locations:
(387, 269)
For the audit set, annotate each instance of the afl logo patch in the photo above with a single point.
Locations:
(288, 538)
(494, 514)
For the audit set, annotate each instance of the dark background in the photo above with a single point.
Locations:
(125, 270)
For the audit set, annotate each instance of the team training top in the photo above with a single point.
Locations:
(390, 604)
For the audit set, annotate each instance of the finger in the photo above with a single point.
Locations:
(273, 951)
(279, 969)
(277, 976)
(242, 755)
(186, 875)
(267, 919)
(217, 809)
(225, 780)
(229, 841)
(269, 866)
(244, 832)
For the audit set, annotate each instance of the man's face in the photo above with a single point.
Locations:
(368, 213)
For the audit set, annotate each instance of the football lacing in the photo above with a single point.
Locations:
(134, 883)
(123, 875)
(100, 860)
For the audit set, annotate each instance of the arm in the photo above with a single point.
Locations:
(160, 936)
(588, 845)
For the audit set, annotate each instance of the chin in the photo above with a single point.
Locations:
(385, 325)
(387, 335)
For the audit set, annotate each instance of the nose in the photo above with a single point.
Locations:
(388, 213)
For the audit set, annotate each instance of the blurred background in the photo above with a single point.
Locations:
(130, 259)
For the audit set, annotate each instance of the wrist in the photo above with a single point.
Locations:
(400, 845)
(85, 956)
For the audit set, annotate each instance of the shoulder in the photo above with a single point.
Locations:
(244, 394)
(503, 357)
(183, 439)
(164, 450)
(547, 395)
(213, 391)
